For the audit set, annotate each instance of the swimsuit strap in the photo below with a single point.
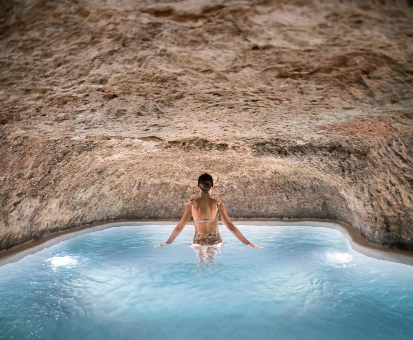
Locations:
(218, 203)
(192, 204)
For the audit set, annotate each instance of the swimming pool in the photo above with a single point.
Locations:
(306, 283)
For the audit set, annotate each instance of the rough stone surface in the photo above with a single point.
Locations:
(298, 109)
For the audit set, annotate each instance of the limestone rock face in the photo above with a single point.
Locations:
(298, 109)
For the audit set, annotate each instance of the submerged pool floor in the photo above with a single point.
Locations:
(306, 283)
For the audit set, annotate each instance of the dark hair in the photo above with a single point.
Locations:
(205, 182)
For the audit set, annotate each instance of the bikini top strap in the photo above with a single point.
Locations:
(218, 203)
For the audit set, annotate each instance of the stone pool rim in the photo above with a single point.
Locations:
(357, 242)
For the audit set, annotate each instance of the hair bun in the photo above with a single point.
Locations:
(206, 186)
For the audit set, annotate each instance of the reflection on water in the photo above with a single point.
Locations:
(62, 261)
(206, 255)
(339, 259)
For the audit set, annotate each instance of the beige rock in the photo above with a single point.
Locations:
(298, 109)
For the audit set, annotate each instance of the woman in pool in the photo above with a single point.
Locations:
(206, 230)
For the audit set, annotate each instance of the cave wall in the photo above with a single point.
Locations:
(298, 109)
(67, 183)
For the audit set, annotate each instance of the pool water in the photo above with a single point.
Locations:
(306, 283)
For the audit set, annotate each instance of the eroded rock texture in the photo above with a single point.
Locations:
(298, 109)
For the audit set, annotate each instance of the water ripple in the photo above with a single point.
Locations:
(115, 284)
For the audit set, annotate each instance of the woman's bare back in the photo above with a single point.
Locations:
(205, 214)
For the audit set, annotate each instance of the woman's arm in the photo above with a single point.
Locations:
(232, 228)
(180, 226)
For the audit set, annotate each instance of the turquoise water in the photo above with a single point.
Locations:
(306, 283)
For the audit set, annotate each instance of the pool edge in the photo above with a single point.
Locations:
(357, 242)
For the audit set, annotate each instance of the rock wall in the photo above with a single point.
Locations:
(298, 109)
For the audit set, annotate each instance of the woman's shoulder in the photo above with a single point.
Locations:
(219, 201)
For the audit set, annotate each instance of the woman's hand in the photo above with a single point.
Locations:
(161, 244)
(254, 245)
